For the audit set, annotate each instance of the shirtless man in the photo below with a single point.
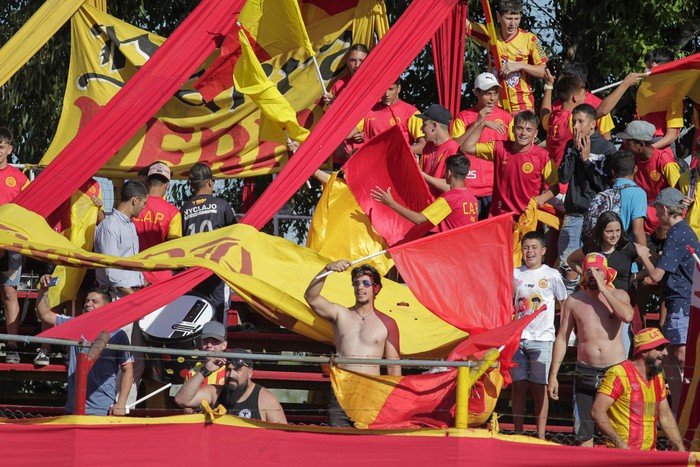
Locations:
(361, 331)
(597, 311)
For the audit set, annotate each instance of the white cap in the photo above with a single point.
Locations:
(486, 81)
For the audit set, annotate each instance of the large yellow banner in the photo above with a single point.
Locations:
(269, 272)
(106, 52)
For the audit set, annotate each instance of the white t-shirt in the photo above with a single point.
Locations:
(535, 289)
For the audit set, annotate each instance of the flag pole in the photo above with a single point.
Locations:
(318, 73)
(328, 273)
(147, 396)
(613, 85)
(493, 46)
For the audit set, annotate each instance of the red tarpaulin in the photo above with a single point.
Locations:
(448, 58)
(114, 315)
(387, 161)
(392, 55)
(470, 295)
(193, 442)
(689, 408)
(171, 65)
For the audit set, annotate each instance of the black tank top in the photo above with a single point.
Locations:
(248, 408)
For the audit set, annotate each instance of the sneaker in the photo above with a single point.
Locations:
(41, 359)
(11, 356)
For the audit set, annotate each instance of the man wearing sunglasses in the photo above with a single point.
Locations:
(239, 394)
(361, 331)
(632, 398)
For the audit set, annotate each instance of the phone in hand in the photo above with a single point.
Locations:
(53, 281)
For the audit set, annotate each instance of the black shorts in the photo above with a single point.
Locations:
(336, 415)
(587, 380)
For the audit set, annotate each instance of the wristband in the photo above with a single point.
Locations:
(205, 372)
(548, 87)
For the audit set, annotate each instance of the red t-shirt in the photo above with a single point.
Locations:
(650, 177)
(519, 176)
(433, 160)
(12, 181)
(558, 134)
(382, 117)
(339, 85)
(158, 222)
(480, 177)
(465, 209)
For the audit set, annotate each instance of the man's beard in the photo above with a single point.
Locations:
(233, 394)
(652, 368)
(592, 284)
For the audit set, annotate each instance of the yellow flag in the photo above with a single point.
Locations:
(277, 27)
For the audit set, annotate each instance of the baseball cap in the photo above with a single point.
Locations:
(648, 338)
(239, 362)
(200, 172)
(160, 169)
(639, 130)
(215, 330)
(670, 197)
(486, 81)
(437, 113)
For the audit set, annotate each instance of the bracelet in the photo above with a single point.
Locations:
(548, 87)
(205, 372)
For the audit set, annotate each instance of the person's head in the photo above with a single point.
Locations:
(457, 166)
(584, 118)
(158, 174)
(436, 122)
(486, 90)
(575, 69)
(510, 13)
(608, 232)
(201, 179)
(95, 299)
(356, 55)
(623, 165)
(391, 96)
(239, 372)
(536, 301)
(214, 337)
(533, 249)
(367, 282)
(669, 205)
(637, 137)
(570, 89)
(656, 57)
(134, 195)
(5, 146)
(525, 128)
(650, 345)
(598, 262)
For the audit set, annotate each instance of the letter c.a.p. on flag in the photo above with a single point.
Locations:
(463, 275)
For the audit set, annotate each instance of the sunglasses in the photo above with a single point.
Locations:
(364, 283)
(660, 348)
(237, 363)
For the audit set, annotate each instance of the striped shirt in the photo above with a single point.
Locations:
(634, 413)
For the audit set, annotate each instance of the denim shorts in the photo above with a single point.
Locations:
(10, 268)
(569, 239)
(533, 359)
(675, 328)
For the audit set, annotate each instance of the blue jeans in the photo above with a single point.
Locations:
(569, 239)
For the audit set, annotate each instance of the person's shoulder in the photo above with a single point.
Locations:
(468, 116)
(500, 114)
(118, 337)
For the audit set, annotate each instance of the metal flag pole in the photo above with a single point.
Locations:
(328, 273)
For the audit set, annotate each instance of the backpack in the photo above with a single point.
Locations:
(606, 200)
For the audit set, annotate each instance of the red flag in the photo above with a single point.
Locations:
(448, 58)
(666, 86)
(387, 161)
(689, 408)
(463, 275)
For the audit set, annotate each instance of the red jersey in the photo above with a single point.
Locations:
(480, 177)
(339, 85)
(523, 47)
(382, 117)
(433, 160)
(659, 172)
(464, 209)
(604, 124)
(559, 132)
(159, 221)
(519, 176)
(12, 181)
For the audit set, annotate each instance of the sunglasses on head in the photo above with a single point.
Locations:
(237, 363)
(364, 283)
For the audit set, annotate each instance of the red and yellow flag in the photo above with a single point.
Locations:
(222, 131)
(666, 87)
(689, 409)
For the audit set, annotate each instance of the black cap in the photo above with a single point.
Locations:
(437, 113)
(200, 172)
